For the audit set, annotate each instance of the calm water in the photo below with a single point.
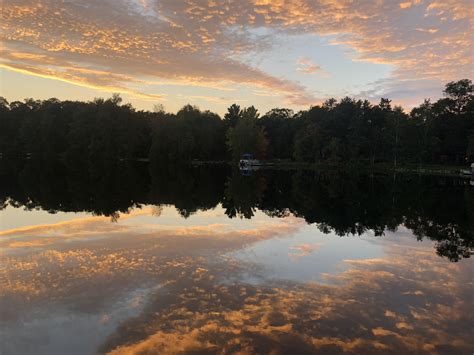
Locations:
(135, 259)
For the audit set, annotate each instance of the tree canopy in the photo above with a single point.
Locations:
(346, 130)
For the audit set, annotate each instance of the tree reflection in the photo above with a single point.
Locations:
(243, 194)
(343, 203)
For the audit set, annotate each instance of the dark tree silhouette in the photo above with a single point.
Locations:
(342, 131)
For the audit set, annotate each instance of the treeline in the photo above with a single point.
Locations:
(439, 208)
(348, 130)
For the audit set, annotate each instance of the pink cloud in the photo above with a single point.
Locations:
(113, 45)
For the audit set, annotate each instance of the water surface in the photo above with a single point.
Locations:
(136, 259)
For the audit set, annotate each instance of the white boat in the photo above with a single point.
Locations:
(248, 161)
(467, 171)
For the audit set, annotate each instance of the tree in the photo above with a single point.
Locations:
(308, 145)
(280, 129)
(247, 137)
(249, 113)
(461, 93)
(470, 149)
(233, 115)
(348, 130)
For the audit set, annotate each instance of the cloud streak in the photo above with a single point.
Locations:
(121, 45)
(307, 66)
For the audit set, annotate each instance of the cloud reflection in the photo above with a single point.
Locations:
(196, 299)
(374, 307)
(301, 250)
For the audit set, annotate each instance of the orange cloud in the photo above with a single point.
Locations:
(204, 42)
(307, 66)
(303, 250)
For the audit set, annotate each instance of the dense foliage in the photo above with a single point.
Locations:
(337, 131)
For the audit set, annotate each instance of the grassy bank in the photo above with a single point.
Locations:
(445, 170)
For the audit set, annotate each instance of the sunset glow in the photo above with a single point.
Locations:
(254, 52)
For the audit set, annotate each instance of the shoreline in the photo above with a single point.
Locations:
(423, 169)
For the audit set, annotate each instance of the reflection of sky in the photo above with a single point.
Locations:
(155, 282)
(308, 254)
(18, 217)
(57, 331)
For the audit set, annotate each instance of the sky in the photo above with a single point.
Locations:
(211, 53)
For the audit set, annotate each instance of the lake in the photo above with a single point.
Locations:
(125, 258)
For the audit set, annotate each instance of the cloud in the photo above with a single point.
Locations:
(307, 66)
(93, 226)
(117, 45)
(78, 226)
(302, 250)
(126, 46)
(428, 30)
(405, 92)
(405, 5)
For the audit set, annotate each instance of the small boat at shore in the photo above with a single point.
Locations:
(247, 161)
(467, 171)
